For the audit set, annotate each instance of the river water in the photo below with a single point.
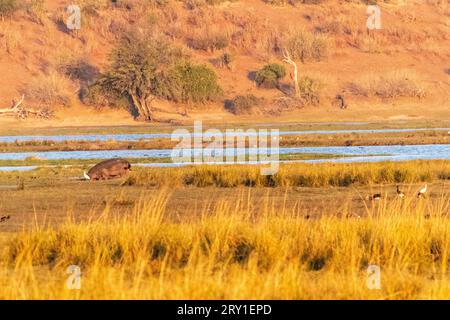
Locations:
(148, 136)
(352, 153)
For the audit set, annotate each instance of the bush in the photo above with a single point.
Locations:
(270, 75)
(209, 40)
(305, 45)
(50, 90)
(198, 83)
(193, 4)
(388, 86)
(310, 90)
(79, 69)
(95, 95)
(243, 104)
(7, 7)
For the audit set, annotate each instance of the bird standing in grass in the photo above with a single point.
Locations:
(422, 191)
(400, 193)
(376, 196)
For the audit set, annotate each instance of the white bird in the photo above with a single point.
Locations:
(400, 193)
(86, 176)
(422, 191)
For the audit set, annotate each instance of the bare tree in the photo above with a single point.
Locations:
(289, 60)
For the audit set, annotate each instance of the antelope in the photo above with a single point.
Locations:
(108, 169)
(4, 218)
(400, 193)
(341, 101)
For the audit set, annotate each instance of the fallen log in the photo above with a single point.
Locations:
(21, 112)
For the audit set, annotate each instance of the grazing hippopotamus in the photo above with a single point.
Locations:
(109, 169)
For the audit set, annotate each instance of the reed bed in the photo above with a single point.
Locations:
(294, 175)
(231, 253)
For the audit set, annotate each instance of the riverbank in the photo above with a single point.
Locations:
(213, 228)
(20, 129)
(46, 194)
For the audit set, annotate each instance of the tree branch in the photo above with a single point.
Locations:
(288, 59)
(22, 112)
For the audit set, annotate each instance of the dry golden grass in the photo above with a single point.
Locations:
(390, 85)
(50, 89)
(232, 254)
(10, 38)
(294, 175)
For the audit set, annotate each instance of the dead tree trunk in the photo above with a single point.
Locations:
(21, 112)
(287, 59)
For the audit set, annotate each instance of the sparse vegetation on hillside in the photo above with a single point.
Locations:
(304, 45)
(388, 86)
(209, 39)
(243, 104)
(310, 90)
(7, 7)
(325, 37)
(49, 90)
(270, 75)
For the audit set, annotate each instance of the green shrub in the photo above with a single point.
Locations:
(270, 75)
(198, 83)
(7, 7)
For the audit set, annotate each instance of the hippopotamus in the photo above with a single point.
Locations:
(109, 169)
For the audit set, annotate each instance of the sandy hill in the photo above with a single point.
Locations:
(399, 72)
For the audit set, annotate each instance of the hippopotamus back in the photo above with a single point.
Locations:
(109, 169)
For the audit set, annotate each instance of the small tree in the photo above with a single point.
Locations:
(140, 70)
